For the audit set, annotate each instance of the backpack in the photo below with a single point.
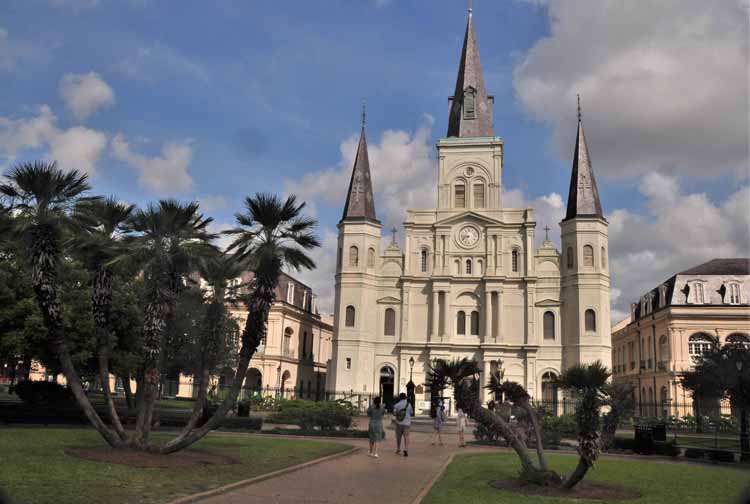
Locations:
(401, 413)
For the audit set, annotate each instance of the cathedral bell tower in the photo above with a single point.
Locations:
(585, 266)
(357, 263)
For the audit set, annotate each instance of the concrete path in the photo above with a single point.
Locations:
(356, 477)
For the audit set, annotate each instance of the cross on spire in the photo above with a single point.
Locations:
(546, 232)
(364, 113)
(470, 9)
(579, 107)
(393, 232)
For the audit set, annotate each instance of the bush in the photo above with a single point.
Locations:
(624, 444)
(243, 409)
(563, 425)
(44, 393)
(481, 433)
(242, 423)
(348, 433)
(668, 448)
(695, 453)
(720, 456)
(325, 415)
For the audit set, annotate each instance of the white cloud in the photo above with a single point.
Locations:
(212, 202)
(156, 62)
(165, 173)
(549, 210)
(76, 148)
(85, 94)
(663, 87)
(403, 173)
(679, 231)
(321, 279)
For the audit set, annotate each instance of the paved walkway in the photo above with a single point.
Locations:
(356, 477)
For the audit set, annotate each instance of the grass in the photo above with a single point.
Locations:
(42, 473)
(467, 477)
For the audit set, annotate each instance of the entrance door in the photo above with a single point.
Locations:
(386, 386)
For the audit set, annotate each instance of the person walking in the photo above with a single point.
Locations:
(437, 424)
(402, 413)
(375, 431)
(461, 427)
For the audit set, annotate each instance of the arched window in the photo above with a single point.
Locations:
(738, 339)
(468, 266)
(590, 317)
(549, 325)
(571, 260)
(459, 200)
(604, 258)
(734, 294)
(475, 323)
(287, 345)
(461, 323)
(478, 195)
(371, 257)
(390, 322)
(588, 256)
(349, 316)
(423, 261)
(663, 349)
(698, 344)
(514, 261)
(353, 256)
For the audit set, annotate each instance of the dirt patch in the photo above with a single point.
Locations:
(583, 490)
(184, 459)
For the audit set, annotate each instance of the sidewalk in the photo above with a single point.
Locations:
(356, 477)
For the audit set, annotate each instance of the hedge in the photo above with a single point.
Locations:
(308, 415)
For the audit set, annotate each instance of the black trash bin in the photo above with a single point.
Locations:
(659, 432)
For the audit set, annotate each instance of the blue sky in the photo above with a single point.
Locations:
(216, 101)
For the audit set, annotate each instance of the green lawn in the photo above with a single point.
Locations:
(467, 477)
(36, 470)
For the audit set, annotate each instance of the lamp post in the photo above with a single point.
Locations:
(410, 386)
(744, 441)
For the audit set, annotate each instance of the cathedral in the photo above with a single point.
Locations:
(469, 281)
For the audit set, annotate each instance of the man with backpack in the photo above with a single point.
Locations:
(402, 413)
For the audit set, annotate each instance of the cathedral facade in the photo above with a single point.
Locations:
(469, 281)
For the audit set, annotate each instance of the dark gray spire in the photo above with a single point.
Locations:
(360, 204)
(583, 197)
(470, 112)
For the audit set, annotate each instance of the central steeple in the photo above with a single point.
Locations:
(470, 107)
(583, 196)
(360, 204)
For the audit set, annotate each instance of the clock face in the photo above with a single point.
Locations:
(468, 236)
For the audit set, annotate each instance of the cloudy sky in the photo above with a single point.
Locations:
(215, 101)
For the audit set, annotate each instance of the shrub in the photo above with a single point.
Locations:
(720, 456)
(624, 444)
(668, 448)
(243, 409)
(695, 453)
(44, 393)
(563, 425)
(325, 415)
(242, 423)
(348, 433)
(481, 433)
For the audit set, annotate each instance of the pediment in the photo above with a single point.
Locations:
(466, 216)
(388, 300)
(548, 302)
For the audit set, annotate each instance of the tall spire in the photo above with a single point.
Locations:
(360, 205)
(470, 112)
(583, 197)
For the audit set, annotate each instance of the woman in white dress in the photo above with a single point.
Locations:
(460, 427)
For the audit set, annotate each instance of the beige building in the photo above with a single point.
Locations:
(470, 281)
(670, 327)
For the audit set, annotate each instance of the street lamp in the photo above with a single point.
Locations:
(410, 396)
(411, 367)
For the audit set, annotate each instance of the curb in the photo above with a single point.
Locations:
(418, 499)
(238, 484)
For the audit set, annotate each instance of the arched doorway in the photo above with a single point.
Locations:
(253, 380)
(284, 383)
(549, 391)
(387, 380)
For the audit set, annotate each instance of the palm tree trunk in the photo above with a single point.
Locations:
(45, 289)
(101, 297)
(537, 434)
(577, 475)
(129, 399)
(258, 306)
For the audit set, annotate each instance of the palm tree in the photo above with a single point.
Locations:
(98, 244)
(271, 234)
(166, 239)
(587, 382)
(42, 198)
(620, 399)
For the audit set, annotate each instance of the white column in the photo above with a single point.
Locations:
(487, 316)
(407, 254)
(435, 315)
(499, 313)
(498, 253)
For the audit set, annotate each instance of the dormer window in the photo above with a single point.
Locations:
(470, 103)
(734, 293)
(698, 296)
